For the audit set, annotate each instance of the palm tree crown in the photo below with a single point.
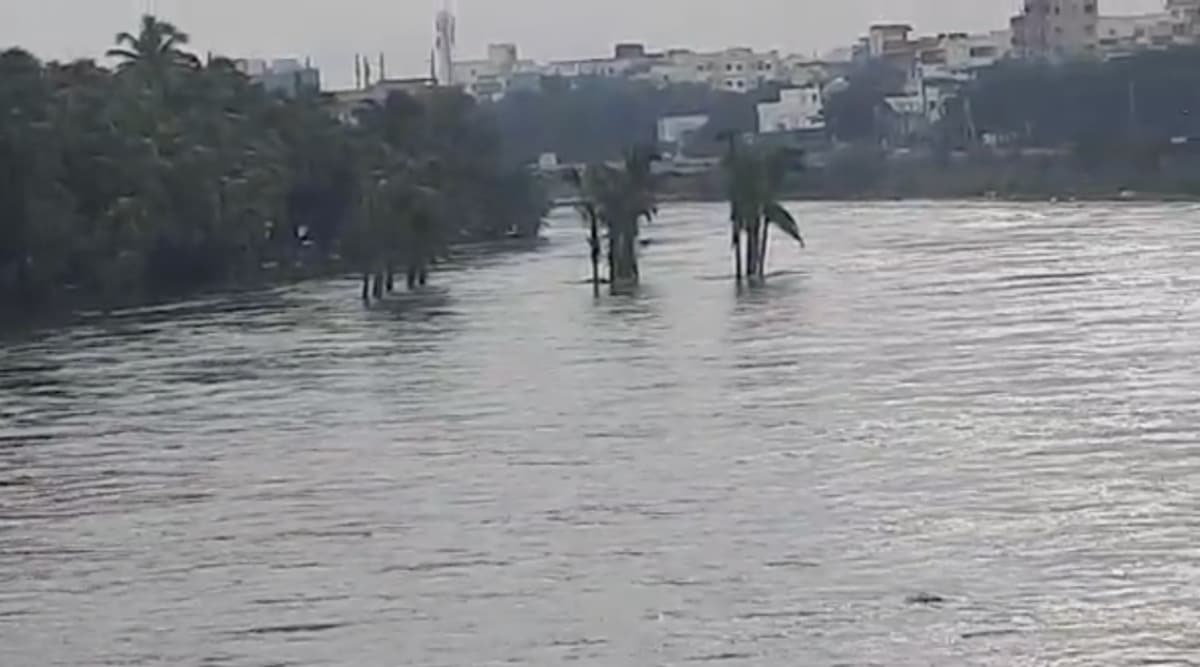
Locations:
(156, 48)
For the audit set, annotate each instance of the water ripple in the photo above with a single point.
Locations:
(990, 403)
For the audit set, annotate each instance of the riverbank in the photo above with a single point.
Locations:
(76, 306)
(869, 175)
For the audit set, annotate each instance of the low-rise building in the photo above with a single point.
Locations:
(798, 109)
(1119, 35)
(347, 103)
(675, 132)
(284, 76)
(491, 77)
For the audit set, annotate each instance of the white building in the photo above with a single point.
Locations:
(959, 56)
(674, 132)
(798, 109)
(492, 77)
(887, 38)
(1185, 17)
(1124, 34)
(284, 76)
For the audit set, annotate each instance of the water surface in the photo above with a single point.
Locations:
(993, 404)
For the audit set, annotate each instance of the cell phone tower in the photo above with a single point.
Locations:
(443, 51)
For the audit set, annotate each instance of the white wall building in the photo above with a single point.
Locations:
(1124, 34)
(285, 76)
(674, 132)
(798, 109)
(491, 78)
(886, 38)
(1185, 16)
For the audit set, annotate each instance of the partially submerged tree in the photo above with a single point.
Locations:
(754, 183)
(619, 198)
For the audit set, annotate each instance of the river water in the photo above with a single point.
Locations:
(996, 405)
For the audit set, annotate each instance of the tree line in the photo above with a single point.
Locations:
(166, 174)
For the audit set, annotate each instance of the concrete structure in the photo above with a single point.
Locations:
(492, 77)
(1120, 35)
(736, 70)
(347, 103)
(959, 56)
(286, 76)
(1185, 18)
(887, 38)
(445, 29)
(674, 132)
(798, 109)
(1056, 29)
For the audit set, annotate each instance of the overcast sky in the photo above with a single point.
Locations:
(331, 31)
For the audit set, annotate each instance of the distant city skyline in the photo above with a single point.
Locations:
(331, 32)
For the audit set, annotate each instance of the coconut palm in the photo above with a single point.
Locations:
(619, 198)
(754, 181)
(155, 50)
(589, 211)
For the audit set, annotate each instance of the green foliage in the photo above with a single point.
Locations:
(1148, 97)
(167, 175)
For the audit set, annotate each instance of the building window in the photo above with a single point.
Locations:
(729, 67)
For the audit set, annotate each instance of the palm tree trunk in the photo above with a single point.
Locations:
(377, 289)
(366, 287)
(752, 251)
(762, 253)
(612, 258)
(391, 279)
(737, 251)
(411, 277)
(594, 241)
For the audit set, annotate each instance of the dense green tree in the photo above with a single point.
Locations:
(168, 175)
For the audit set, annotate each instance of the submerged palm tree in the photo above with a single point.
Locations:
(754, 181)
(589, 211)
(619, 199)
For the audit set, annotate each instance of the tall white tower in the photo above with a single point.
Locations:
(443, 50)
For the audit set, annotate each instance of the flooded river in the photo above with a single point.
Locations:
(948, 434)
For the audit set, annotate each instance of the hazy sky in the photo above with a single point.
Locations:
(331, 31)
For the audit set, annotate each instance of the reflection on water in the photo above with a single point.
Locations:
(948, 434)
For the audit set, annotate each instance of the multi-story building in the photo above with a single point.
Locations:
(887, 38)
(1056, 29)
(737, 70)
(1185, 20)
